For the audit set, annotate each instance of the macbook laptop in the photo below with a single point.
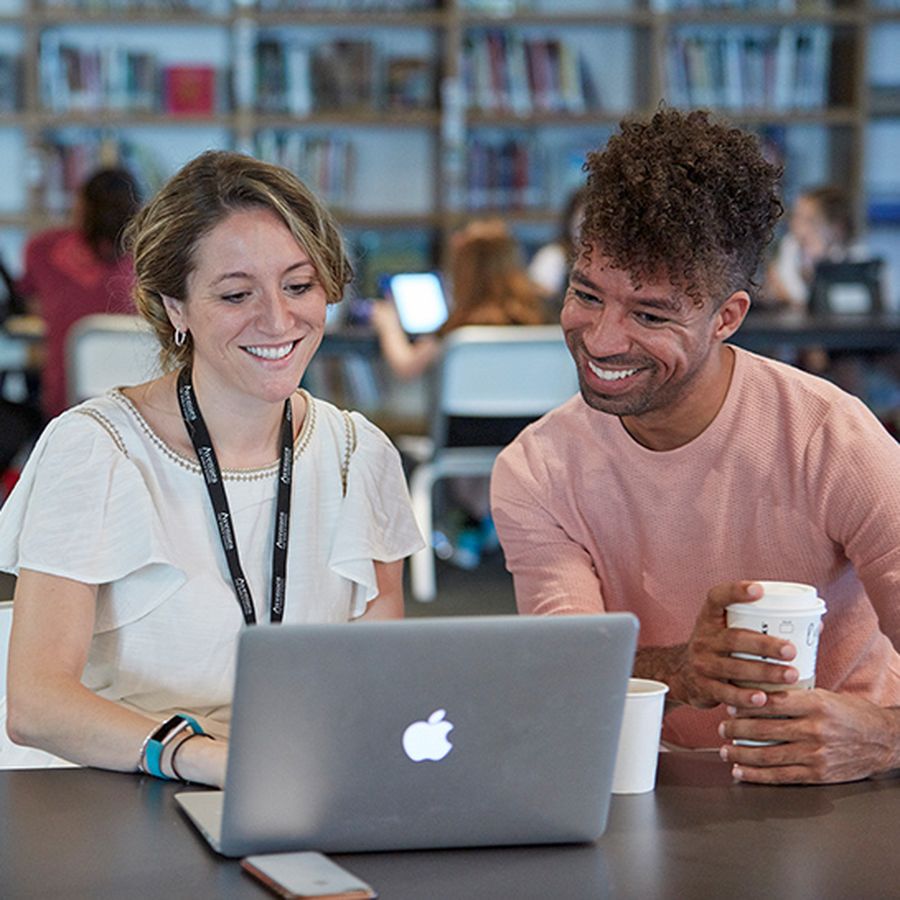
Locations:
(425, 733)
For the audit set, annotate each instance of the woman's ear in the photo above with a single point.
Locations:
(175, 311)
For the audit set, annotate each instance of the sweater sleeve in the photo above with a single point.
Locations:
(852, 470)
(552, 572)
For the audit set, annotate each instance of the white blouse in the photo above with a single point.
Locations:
(102, 500)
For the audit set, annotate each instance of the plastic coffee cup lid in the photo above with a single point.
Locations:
(784, 597)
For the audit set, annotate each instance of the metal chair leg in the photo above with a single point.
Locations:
(421, 564)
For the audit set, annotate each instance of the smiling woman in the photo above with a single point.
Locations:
(154, 523)
(254, 313)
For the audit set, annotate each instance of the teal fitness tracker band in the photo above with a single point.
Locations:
(160, 738)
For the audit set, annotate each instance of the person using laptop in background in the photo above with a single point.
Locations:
(687, 467)
(20, 419)
(489, 287)
(820, 228)
(821, 231)
(151, 525)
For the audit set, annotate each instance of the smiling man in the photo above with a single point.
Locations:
(686, 468)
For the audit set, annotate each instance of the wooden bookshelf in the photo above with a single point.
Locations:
(479, 93)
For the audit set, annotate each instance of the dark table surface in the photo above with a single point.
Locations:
(80, 833)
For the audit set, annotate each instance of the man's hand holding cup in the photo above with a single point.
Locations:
(793, 612)
(729, 665)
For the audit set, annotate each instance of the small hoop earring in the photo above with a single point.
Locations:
(180, 337)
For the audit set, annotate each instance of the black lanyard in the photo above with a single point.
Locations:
(212, 475)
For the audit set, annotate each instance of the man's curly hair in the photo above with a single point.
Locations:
(683, 198)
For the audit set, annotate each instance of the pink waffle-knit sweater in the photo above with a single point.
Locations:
(794, 480)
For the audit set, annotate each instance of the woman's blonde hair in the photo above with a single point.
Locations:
(162, 238)
(490, 284)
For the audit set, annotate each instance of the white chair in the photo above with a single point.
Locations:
(107, 350)
(486, 373)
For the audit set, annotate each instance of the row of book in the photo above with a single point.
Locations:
(325, 164)
(175, 7)
(491, 7)
(346, 5)
(499, 7)
(760, 6)
(884, 208)
(222, 7)
(508, 72)
(517, 173)
(298, 77)
(64, 165)
(505, 174)
(750, 68)
(495, 7)
(75, 78)
(65, 161)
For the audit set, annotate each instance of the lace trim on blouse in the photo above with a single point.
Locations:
(349, 448)
(302, 442)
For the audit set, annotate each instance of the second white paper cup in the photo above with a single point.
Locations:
(638, 753)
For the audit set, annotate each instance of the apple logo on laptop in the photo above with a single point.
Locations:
(428, 740)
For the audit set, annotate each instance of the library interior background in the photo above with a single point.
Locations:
(410, 118)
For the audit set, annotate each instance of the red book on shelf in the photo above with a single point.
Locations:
(190, 90)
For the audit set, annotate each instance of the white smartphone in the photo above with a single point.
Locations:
(306, 875)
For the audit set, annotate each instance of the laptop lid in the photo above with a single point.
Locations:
(426, 733)
(847, 288)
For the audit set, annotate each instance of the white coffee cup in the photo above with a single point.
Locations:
(638, 751)
(786, 610)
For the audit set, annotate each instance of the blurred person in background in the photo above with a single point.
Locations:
(20, 418)
(489, 286)
(80, 270)
(821, 230)
(549, 267)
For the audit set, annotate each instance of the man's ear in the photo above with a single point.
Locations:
(728, 317)
(175, 311)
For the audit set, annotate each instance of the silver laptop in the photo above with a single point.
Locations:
(425, 733)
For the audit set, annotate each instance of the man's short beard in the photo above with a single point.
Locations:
(617, 406)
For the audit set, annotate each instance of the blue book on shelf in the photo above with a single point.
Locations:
(884, 210)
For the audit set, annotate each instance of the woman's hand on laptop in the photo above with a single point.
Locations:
(202, 761)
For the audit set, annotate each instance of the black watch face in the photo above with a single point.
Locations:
(168, 727)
